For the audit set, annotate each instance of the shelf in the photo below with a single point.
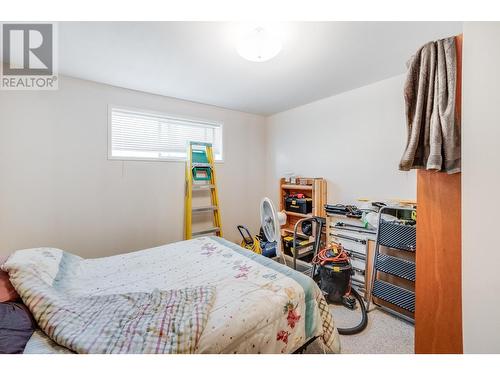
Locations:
(396, 236)
(313, 188)
(356, 255)
(357, 230)
(290, 213)
(361, 241)
(395, 295)
(299, 233)
(296, 187)
(396, 266)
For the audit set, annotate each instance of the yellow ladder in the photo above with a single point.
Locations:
(200, 166)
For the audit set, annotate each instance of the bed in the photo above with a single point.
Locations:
(233, 301)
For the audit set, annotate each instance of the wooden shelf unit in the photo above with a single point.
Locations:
(314, 188)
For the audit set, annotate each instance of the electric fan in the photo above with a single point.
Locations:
(271, 221)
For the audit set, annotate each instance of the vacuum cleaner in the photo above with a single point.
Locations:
(332, 270)
(334, 279)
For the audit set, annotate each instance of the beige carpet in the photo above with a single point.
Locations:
(385, 333)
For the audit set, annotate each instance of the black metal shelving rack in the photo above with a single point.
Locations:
(398, 237)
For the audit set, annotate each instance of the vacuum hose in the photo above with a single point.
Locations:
(337, 255)
(364, 320)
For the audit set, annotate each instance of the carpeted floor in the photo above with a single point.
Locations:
(385, 333)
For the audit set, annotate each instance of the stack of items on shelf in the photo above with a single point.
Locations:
(340, 209)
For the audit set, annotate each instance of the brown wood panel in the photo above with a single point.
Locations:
(438, 312)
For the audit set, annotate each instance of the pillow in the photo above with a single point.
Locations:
(16, 327)
(7, 291)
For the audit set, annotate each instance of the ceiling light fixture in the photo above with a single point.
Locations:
(259, 45)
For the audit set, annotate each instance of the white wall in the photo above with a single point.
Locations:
(57, 187)
(354, 140)
(480, 187)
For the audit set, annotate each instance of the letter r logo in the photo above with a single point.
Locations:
(27, 49)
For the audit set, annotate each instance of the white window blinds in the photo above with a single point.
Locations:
(144, 135)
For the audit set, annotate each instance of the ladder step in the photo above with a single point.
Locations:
(396, 266)
(204, 208)
(201, 165)
(203, 187)
(398, 296)
(206, 231)
(396, 236)
(196, 143)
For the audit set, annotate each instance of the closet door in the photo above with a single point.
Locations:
(438, 304)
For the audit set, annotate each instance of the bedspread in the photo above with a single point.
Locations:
(260, 306)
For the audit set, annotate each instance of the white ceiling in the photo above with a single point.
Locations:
(198, 61)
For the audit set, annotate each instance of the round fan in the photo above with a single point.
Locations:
(271, 221)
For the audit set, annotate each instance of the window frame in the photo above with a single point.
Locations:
(219, 124)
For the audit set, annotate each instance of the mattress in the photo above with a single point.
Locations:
(260, 306)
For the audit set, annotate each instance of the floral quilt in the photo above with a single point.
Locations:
(260, 306)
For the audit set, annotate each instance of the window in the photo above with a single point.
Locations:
(148, 135)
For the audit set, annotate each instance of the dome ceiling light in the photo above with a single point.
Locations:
(259, 45)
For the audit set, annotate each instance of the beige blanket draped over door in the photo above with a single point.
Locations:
(430, 93)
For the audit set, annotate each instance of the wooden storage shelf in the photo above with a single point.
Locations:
(314, 188)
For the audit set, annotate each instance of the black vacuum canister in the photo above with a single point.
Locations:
(335, 279)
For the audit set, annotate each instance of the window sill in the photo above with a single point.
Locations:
(178, 160)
